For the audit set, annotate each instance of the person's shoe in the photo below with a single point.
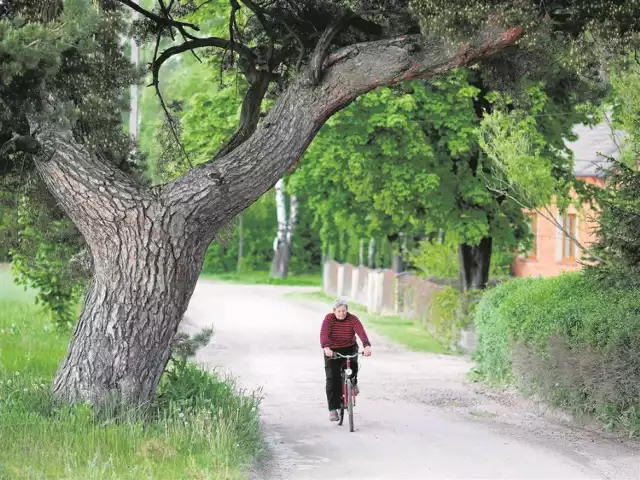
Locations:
(333, 416)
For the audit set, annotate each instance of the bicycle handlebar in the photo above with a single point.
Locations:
(337, 355)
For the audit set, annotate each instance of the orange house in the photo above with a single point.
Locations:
(554, 250)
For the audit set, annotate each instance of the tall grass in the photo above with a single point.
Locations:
(198, 426)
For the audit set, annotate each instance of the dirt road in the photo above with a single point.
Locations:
(417, 418)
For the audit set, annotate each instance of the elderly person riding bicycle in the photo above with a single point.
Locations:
(338, 334)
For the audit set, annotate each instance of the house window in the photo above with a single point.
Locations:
(568, 235)
(533, 229)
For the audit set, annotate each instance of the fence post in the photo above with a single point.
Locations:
(326, 275)
(371, 290)
(378, 292)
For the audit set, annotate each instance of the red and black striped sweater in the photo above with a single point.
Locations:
(342, 333)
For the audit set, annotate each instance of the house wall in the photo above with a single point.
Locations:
(548, 259)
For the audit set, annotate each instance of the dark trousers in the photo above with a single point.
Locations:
(332, 372)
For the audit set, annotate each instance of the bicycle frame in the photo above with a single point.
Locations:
(346, 374)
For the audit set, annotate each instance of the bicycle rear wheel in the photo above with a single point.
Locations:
(350, 403)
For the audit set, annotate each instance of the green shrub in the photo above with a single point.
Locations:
(450, 312)
(568, 339)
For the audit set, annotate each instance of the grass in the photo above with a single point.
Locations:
(263, 278)
(397, 329)
(200, 425)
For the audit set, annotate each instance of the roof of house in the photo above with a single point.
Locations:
(593, 146)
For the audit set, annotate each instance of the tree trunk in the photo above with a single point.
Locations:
(141, 288)
(148, 247)
(371, 254)
(284, 240)
(397, 263)
(475, 261)
(361, 253)
(279, 244)
(398, 253)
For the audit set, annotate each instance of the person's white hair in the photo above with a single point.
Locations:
(340, 303)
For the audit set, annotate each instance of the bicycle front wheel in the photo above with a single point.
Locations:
(350, 403)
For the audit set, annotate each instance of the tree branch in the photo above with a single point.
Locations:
(87, 187)
(192, 45)
(167, 22)
(550, 218)
(232, 182)
(20, 143)
(301, 48)
(322, 47)
(260, 13)
(249, 113)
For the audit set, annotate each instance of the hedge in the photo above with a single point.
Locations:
(570, 340)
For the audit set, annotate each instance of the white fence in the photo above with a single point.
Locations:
(385, 292)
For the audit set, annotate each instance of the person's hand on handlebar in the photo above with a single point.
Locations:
(328, 352)
(367, 351)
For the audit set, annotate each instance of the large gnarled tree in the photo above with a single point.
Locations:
(148, 243)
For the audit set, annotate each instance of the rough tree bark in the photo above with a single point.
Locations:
(148, 245)
(475, 261)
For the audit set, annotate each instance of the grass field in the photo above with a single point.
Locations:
(199, 427)
(255, 278)
(397, 329)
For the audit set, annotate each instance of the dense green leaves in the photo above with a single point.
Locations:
(71, 70)
(405, 160)
(619, 202)
(43, 255)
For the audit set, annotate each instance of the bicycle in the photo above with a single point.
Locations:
(348, 398)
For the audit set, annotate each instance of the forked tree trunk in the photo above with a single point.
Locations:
(475, 261)
(144, 277)
(148, 248)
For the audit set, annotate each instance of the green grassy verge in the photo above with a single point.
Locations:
(397, 329)
(199, 426)
(263, 278)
